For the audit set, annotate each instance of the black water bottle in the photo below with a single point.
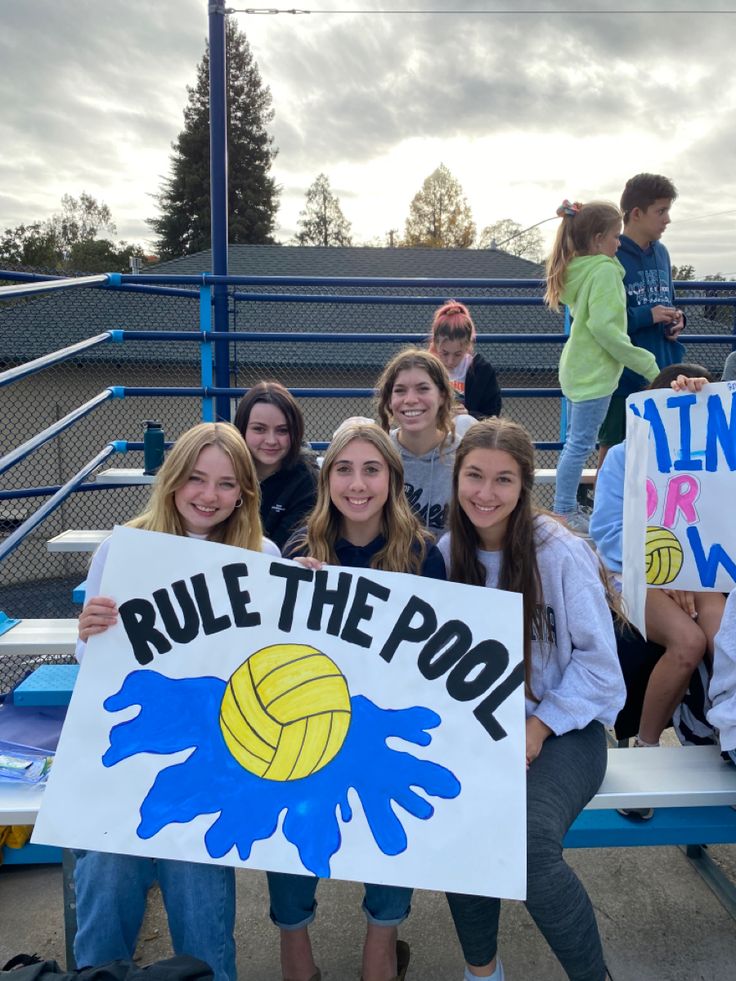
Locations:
(153, 447)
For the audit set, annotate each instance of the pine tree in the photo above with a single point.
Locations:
(439, 215)
(184, 224)
(322, 221)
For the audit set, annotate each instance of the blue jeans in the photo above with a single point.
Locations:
(584, 419)
(111, 900)
(293, 904)
(560, 782)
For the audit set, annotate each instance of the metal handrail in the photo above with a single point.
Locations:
(46, 360)
(22, 451)
(49, 286)
(20, 533)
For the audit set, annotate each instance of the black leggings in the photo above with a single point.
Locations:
(560, 782)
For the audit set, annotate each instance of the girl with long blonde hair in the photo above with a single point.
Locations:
(584, 274)
(207, 488)
(361, 520)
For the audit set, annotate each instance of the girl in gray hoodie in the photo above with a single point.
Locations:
(415, 397)
(574, 686)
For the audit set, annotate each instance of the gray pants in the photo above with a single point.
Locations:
(560, 782)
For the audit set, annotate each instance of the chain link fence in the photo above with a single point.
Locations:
(37, 583)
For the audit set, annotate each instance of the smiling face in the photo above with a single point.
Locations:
(209, 494)
(415, 401)
(450, 352)
(359, 488)
(488, 489)
(267, 437)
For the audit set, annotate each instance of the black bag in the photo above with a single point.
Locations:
(25, 967)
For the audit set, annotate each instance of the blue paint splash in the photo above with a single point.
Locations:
(176, 715)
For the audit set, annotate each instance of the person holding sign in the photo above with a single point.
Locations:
(584, 274)
(361, 520)
(207, 489)
(415, 395)
(683, 623)
(574, 685)
(272, 426)
(473, 379)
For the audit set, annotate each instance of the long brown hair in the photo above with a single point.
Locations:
(519, 571)
(243, 526)
(406, 542)
(575, 237)
(415, 357)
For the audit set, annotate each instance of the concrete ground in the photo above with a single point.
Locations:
(658, 919)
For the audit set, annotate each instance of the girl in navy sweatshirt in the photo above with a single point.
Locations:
(574, 685)
(361, 520)
(272, 426)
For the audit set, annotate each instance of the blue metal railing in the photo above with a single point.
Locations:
(216, 396)
(56, 500)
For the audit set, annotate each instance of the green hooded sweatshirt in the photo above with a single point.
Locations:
(599, 346)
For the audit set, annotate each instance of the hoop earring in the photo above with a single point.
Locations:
(239, 503)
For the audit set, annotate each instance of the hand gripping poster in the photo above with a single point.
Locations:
(344, 723)
(683, 480)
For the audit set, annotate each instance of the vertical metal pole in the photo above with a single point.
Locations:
(218, 193)
(205, 352)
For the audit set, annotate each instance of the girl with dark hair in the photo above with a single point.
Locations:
(584, 273)
(452, 339)
(573, 685)
(683, 623)
(272, 426)
(361, 520)
(415, 396)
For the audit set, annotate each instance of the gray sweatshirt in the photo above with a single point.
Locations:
(722, 689)
(575, 670)
(428, 481)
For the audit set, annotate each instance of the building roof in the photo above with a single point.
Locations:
(46, 322)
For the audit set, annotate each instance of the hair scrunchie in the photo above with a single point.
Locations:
(568, 209)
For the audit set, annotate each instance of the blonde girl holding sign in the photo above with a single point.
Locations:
(574, 685)
(207, 489)
(361, 520)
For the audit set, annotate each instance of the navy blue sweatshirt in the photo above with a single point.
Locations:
(359, 556)
(648, 282)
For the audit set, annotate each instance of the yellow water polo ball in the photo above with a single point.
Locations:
(285, 712)
(663, 556)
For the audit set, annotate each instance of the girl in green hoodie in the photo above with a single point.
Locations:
(584, 274)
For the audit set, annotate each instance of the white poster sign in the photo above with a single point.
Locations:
(247, 711)
(634, 585)
(690, 468)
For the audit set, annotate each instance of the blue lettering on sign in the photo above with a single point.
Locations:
(683, 404)
(720, 432)
(708, 564)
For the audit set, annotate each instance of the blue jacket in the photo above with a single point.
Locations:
(648, 282)
(607, 520)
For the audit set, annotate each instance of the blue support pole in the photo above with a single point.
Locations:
(205, 351)
(218, 192)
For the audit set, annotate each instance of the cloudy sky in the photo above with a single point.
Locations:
(526, 102)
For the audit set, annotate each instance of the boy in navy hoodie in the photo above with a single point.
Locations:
(653, 321)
